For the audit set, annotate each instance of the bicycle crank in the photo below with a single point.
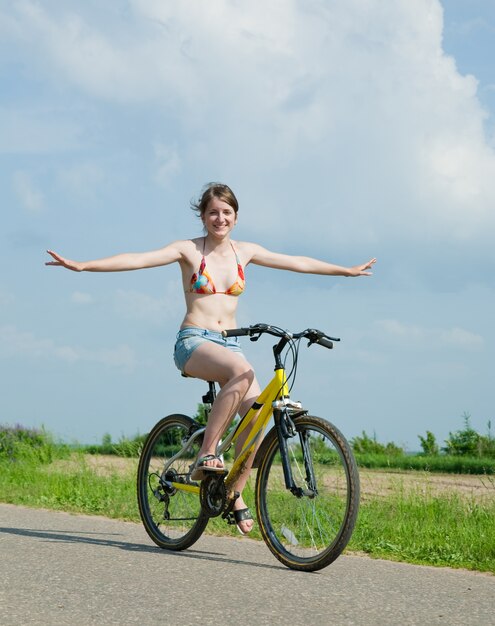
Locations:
(213, 495)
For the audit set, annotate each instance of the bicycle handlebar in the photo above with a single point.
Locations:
(256, 330)
(236, 332)
(327, 343)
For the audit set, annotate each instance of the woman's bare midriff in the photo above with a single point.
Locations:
(212, 312)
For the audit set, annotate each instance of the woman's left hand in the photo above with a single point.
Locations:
(360, 270)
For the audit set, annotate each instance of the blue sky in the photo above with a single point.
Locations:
(348, 129)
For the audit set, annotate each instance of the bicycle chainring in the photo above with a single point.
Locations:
(213, 495)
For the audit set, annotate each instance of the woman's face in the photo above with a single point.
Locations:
(219, 218)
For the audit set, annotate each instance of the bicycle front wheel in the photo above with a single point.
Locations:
(308, 529)
(172, 516)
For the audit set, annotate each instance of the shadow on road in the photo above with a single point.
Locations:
(66, 536)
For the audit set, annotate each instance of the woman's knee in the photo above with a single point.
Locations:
(241, 372)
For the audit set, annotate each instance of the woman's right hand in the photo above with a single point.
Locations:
(75, 266)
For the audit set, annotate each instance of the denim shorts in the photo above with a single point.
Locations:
(189, 338)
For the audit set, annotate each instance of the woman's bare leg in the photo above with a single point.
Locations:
(234, 374)
(239, 389)
(246, 404)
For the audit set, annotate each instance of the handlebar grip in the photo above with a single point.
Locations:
(236, 332)
(323, 341)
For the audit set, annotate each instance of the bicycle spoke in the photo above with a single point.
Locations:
(309, 531)
(172, 516)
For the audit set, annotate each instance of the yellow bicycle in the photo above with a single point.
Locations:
(307, 483)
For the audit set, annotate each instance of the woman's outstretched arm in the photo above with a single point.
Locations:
(307, 265)
(121, 262)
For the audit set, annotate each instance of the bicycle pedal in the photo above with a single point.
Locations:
(229, 518)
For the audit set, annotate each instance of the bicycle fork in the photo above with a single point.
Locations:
(286, 429)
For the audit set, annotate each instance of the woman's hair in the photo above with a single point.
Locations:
(215, 190)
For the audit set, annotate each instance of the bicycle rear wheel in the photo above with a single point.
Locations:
(308, 532)
(172, 517)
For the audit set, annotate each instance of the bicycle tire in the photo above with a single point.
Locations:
(308, 533)
(172, 518)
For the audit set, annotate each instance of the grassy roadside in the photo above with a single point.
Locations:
(441, 463)
(431, 529)
(72, 485)
(414, 525)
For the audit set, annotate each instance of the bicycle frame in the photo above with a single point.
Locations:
(261, 412)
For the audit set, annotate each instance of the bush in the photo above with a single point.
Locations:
(468, 442)
(366, 445)
(18, 442)
(124, 447)
(429, 444)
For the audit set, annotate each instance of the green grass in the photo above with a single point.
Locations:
(448, 530)
(439, 463)
(419, 527)
(76, 487)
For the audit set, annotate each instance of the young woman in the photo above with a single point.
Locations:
(213, 279)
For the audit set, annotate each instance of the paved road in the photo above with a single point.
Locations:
(58, 569)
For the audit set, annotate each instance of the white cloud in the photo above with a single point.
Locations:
(81, 179)
(416, 336)
(168, 164)
(142, 306)
(119, 60)
(18, 343)
(398, 329)
(79, 297)
(37, 131)
(6, 298)
(458, 337)
(29, 196)
(348, 109)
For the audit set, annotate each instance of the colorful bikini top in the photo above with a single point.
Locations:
(203, 283)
